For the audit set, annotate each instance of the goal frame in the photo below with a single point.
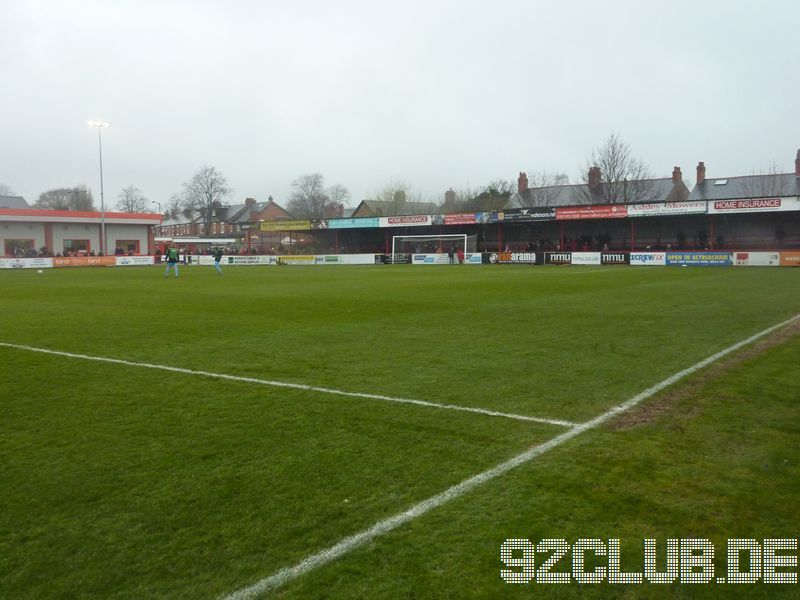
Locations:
(464, 237)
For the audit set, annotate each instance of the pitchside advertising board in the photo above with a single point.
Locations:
(648, 259)
(558, 258)
(471, 258)
(757, 259)
(26, 263)
(700, 259)
(295, 259)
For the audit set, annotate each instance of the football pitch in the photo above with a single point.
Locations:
(360, 432)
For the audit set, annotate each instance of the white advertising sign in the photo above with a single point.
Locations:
(660, 209)
(128, 261)
(754, 205)
(471, 258)
(757, 259)
(26, 263)
(585, 258)
(407, 221)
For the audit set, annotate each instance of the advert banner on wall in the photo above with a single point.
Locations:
(285, 225)
(543, 213)
(611, 211)
(460, 219)
(699, 259)
(663, 209)
(26, 263)
(407, 221)
(757, 259)
(754, 205)
(354, 223)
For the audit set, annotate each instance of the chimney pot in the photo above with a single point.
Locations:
(677, 176)
(249, 201)
(701, 172)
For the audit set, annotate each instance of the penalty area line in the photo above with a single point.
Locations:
(295, 386)
(385, 526)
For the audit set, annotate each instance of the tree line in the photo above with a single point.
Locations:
(622, 178)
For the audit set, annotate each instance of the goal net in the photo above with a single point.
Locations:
(433, 244)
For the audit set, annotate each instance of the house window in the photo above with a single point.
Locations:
(79, 247)
(18, 247)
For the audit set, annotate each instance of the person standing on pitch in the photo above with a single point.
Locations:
(217, 254)
(172, 260)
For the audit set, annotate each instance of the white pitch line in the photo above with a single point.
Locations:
(380, 528)
(297, 386)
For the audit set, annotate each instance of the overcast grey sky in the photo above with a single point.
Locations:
(438, 94)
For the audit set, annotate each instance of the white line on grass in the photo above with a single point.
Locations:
(352, 542)
(297, 386)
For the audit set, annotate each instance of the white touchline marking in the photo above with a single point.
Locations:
(298, 386)
(352, 542)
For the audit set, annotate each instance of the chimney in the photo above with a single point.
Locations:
(449, 197)
(400, 197)
(595, 178)
(249, 201)
(677, 176)
(522, 182)
(701, 173)
(797, 165)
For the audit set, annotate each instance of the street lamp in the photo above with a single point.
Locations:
(100, 125)
(159, 207)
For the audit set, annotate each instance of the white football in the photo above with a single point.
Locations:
(40, 271)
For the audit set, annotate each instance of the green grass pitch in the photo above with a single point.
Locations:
(125, 481)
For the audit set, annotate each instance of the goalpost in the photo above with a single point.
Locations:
(431, 244)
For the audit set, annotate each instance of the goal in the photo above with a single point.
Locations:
(430, 244)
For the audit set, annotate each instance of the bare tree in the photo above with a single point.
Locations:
(131, 200)
(310, 198)
(5, 190)
(204, 193)
(543, 188)
(766, 183)
(174, 206)
(613, 175)
(74, 198)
